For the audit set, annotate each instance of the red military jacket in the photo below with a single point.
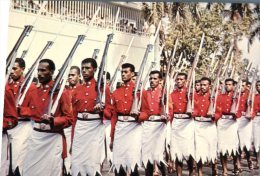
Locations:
(178, 101)
(15, 85)
(37, 100)
(201, 106)
(10, 118)
(151, 103)
(256, 105)
(84, 99)
(242, 103)
(224, 103)
(122, 100)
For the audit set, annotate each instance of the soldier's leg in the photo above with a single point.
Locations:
(149, 169)
(237, 167)
(199, 167)
(135, 172)
(179, 166)
(223, 159)
(162, 168)
(190, 165)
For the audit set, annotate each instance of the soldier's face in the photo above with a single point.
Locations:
(154, 80)
(229, 86)
(126, 74)
(204, 86)
(87, 71)
(180, 81)
(197, 86)
(44, 73)
(258, 87)
(74, 77)
(243, 87)
(16, 72)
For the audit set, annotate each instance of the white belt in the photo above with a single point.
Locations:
(42, 126)
(154, 117)
(86, 115)
(229, 117)
(126, 118)
(181, 116)
(203, 119)
(258, 113)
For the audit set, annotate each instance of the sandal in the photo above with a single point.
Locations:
(250, 165)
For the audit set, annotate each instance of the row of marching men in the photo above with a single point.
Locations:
(77, 138)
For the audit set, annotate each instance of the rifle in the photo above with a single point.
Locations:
(118, 68)
(166, 85)
(213, 94)
(145, 81)
(12, 55)
(58, 86)
(101, 71)
(101, 96)
(28, 77)
(134, 108)
(235, 104)
(251, 96)
(95, 54)
(24, 54)
(189, 82)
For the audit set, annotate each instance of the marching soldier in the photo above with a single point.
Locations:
(205, 128)
(244, 125)
(227, 128)
(154, 126)
(256, 120)
(125, 129)
(20, 134)
(89, 133)
(46, 146)
(182, 140)
(74, 82)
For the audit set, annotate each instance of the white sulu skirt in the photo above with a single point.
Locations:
(256, 133)
(205, 141)
(127, 145)
(227, 136)
(88, 147)
(44, 154)
(153, 142)
(182, 139)
(245, 130)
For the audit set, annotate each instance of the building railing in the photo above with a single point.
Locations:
(130, 20)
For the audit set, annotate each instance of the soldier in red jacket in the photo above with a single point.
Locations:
(89, 133)
(20, 134)
(245, 124)
(256, 119)
(205, 128)
(125, 128)
(73, 82)
(227, 127)
(182, 132)
(154, 126)
(47, 145)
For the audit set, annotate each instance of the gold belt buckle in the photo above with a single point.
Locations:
(84, 115)
(152, 117)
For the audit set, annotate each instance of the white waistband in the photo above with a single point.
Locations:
(42, 126)
(126, 118)
(258, 113)
(181, 116)
(86, 115)
(203, 119)
(154, 117)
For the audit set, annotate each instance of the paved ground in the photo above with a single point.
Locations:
(206, 170)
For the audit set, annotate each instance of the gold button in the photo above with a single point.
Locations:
(86, 101)
(86, 94)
